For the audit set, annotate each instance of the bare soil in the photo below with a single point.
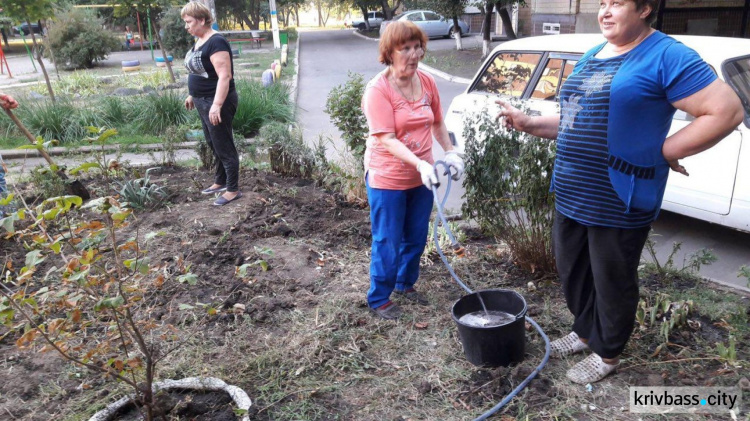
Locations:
(299, 339)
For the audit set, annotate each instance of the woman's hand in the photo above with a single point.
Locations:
(214, 115)
(189, 105)
(676, 167)
(513, 117)
(8, 102)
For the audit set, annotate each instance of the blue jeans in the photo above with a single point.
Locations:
(3, 186)
(400, 221)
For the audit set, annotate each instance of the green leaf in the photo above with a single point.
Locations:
(51, 213)
(263, 265)
(56, 246)
(85, 167)
(7, 224)
(188, 278)
(106, 135)
(36, 147)
(153, 234)
(4, 201)
(33, 258)
(79, 276)
(113, 302)
(184, 306)
(139, 265)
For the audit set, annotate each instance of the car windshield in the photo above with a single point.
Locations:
(738, 75)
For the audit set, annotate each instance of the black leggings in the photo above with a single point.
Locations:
(598, 268)
(220, 139)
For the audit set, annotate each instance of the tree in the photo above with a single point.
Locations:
(389, 11)
(77, 39)
(502, 6)
(28, 11)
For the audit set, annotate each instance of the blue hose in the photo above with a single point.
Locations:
(457, 247)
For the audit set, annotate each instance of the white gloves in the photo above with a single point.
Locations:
(428, 174)
(454, 160)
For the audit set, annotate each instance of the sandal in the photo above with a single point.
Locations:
(221, 201)
(388, 311)
(567, 345)
(215, 190)
(412, 295)
(591, 369)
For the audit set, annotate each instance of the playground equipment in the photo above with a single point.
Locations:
(160, 61)
(132, 65)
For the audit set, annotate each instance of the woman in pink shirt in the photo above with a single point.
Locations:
(403, 111)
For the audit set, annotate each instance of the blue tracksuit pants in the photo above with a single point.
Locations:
(400, 221)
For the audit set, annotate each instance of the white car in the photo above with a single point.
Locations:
(533, 70)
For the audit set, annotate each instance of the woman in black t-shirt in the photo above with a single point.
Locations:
(211, 87)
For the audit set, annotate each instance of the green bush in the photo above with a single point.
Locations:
(116, 111)
(508, 177)
(157, 112)
(176, 39)
(258, 106)
(344, 105)
(287, 151)
(61, 121)
(78, 41)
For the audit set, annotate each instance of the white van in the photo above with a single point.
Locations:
(533, 70)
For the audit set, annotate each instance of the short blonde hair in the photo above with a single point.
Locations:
(397, 34)
(197, 11)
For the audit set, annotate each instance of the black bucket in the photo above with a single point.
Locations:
(493, 346)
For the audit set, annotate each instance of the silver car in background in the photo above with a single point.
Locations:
(434, 25)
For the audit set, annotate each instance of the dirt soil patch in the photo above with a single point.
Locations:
(297, 336)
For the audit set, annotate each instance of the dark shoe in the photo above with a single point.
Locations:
(388, 311)
(216, 190)
(413, 295)
(221, 201)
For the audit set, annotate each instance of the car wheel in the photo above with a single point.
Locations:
(453, 31)
(361, 27)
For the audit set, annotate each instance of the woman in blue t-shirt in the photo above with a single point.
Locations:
(211, 87)
(613, 159)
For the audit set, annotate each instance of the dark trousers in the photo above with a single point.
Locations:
(220, 139)
(598, 268)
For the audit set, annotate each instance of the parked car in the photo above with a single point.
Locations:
(434, 25)
(24, 29)
(373, 18)
(533, 70)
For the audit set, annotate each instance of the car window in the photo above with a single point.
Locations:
(379, 15)
(431, 16)
(554, 75)
(508, 73)
(737, 73)
(415, 17)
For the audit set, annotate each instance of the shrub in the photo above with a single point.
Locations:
(116, 111)
(157, 112)
(287, 152)
(344, 107)
(60, 121)
(78, 41)
(142, 194)
(47, 182)
(176, 39)
(507, 184)
(258, 106)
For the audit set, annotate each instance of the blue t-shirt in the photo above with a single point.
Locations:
(615, 116)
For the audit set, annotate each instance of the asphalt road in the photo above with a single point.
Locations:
(327, 56)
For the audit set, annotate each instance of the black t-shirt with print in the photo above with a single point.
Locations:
(202, 77)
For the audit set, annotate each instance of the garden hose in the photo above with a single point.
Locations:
(459, 251)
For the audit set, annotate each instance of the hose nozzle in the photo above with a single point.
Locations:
(459, 251)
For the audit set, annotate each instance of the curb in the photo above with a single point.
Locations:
(295, 81)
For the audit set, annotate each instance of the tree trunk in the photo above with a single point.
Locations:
(296, 15)
(163, 50)
(507, 23)
(39, 58)
(51, 52)
(486, 29)
(457, 34)
(319, 5)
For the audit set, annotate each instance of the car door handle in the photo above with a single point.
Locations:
(534, 113)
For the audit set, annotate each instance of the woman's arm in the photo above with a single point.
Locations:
(441, 135)
(717, 111)
(540, 126)
(223, 65)
(394, 146)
